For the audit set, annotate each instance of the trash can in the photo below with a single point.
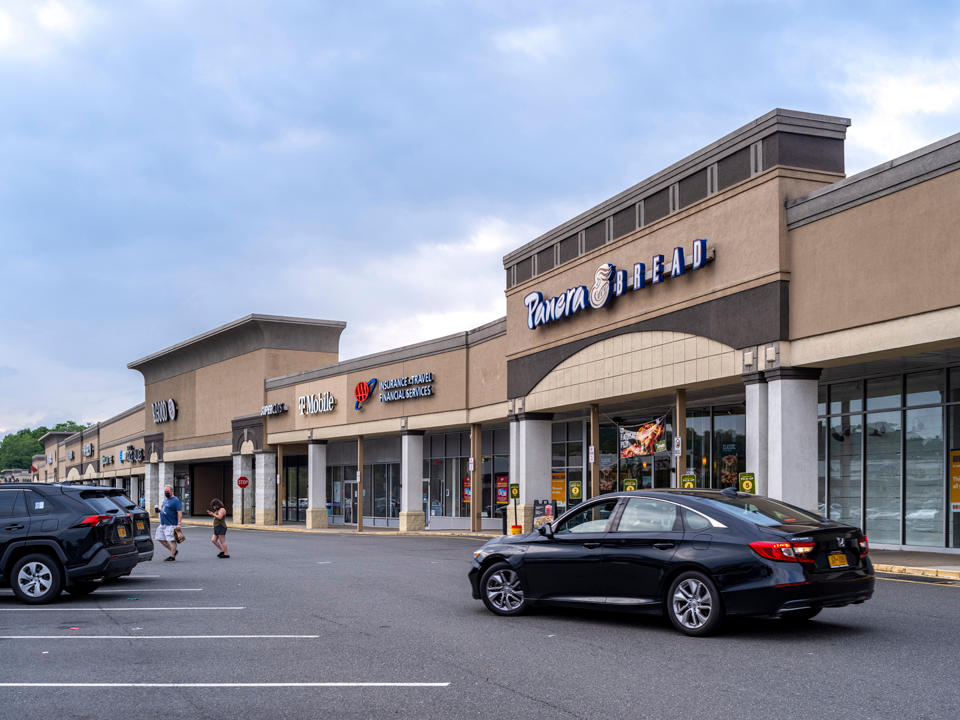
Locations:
(502, 512)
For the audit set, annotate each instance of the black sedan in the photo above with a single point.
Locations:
(698, 555)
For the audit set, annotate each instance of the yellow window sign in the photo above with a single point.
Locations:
(558, 487)
(630, 484)
(688, 480)
(748, 483)
(576, 489)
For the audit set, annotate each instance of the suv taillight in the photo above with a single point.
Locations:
(864, 546)
(785, 551)
(95, 519)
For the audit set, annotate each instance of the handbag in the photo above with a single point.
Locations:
(178, 535)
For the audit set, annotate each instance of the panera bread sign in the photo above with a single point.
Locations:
(610, 282)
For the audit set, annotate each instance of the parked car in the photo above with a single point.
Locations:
(59, 536)
(696, 555)
(142, 537)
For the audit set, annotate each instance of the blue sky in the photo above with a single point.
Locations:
(168, 166)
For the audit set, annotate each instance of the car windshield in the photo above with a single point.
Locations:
(99, 502)
(763, 511)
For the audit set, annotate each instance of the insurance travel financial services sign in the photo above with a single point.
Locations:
(610, 282)
(407, 387)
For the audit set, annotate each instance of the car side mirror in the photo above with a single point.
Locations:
(546, 530)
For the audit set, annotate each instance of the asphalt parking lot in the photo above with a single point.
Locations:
(303, 626)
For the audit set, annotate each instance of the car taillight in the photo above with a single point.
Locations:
(95, 519)
(785, 551)
(864, 546)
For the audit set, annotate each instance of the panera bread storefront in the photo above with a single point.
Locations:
(749, 315)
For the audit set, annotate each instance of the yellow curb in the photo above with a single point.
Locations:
(369, 532)
(922, 571)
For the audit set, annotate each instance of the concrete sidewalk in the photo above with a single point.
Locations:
(380, 531)
(927, 564)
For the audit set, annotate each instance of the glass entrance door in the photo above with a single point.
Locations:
(350, 502)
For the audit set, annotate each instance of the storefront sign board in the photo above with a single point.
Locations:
(575, 490)
(688, 480)
(629, 484)
(748, 483)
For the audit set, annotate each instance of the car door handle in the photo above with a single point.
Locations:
(13, 527)
(664, 545)
(591, 545)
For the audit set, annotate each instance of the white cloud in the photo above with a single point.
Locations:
(898, 105)
(55, 17)
(540, 43)
(6, 30)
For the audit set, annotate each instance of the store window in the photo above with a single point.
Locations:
(899, 452)
(567, 487)
(495, 470)
(729, 445)
(294, 506)
(447, 466)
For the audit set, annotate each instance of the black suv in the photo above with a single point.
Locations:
(141, 522)
(61, 536)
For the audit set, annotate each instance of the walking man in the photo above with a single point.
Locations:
(171, 513)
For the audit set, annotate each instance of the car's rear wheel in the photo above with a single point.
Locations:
(36, 579)
(82, 588)
(693, 604)
(501, 590)
(796, 617)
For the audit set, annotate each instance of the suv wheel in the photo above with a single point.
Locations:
(36, 579)
(693, 604)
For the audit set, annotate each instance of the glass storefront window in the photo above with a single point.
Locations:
(822, 465)
(882, 520)
(883, 393)
(845, 468)
(567, 458)
(698, 445)
(729, 445)
(846, 397)
(924, 476)
(925, 388)
(295, 488)
(953, 474)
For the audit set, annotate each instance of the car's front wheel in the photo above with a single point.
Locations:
(501, 590)
(693, 604)
(36, 579)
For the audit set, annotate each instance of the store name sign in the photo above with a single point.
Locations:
(609, 282)
(405, 388)
(106, 460)
(276, 409)
(131, 455)
(164, 410)
(87, 450)
(317, 403)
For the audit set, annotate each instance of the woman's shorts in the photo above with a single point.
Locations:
(219, 530)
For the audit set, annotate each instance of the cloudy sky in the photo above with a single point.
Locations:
(167, 166)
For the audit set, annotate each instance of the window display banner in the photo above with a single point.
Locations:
(955, 481)
(642, 440)
(558, 486)
(503, 494)
(466, 489)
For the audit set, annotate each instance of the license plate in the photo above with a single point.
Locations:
(121, 532)
(837, 559)
(139, 524)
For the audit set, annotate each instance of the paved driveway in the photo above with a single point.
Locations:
(289, 613)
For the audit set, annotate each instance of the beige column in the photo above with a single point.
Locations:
(359, 483)
(680, 431)
(476, 477)
(595, 444)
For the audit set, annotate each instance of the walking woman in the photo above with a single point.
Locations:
(219, 514)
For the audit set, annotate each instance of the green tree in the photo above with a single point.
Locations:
(17, 449)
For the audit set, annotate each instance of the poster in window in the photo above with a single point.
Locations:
(503, 489)
(558, 486)
(466, 489)
(642, 440)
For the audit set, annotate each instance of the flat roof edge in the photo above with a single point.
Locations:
(777, 120)
(245, 320)
(915, 167)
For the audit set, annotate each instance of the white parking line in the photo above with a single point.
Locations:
(118, 609)
(146, 590)
(230, 685)
(158, 637)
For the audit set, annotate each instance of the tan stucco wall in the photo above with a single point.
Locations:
(487, 372)
(863, 266)
(743, 224)
(126, 427)
(632, 365)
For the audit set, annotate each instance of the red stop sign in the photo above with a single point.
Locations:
(242, 482)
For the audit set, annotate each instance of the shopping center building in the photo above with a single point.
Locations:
(748, 309)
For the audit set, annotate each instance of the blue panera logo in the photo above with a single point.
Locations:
(610, 282)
